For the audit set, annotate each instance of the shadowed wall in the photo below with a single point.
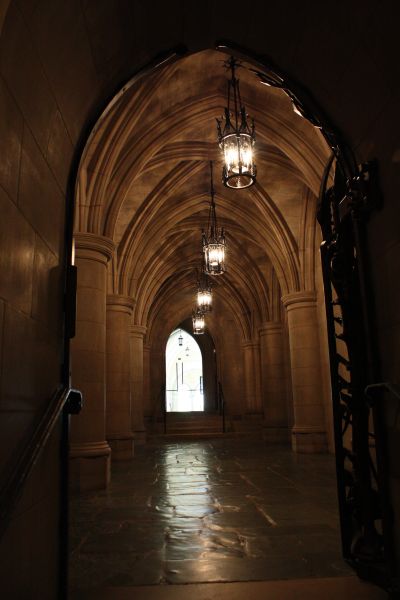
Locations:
(59, 64)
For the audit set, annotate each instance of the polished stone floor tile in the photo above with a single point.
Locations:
(208, 511)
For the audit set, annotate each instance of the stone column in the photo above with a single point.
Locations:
(89, 451)
(273, 383)
(157, 382)
(119, 419)
(308, 433)
(251, 356)
(137, 333)
(147, 405)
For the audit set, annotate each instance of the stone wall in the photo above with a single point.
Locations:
(60, 61)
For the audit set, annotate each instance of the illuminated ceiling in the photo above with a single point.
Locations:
(144, 182)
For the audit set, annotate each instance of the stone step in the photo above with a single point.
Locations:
(182, 416)
(193, 420)
(329, 588)
(193, 435)
(194, 427)
(202, 436)
(190, 425)
(184, 425)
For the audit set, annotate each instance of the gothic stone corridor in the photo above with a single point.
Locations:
(107, 128)
(216, 510)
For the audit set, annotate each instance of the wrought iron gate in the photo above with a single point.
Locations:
(344, 207)
(360, 453)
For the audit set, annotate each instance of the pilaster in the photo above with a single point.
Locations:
(273, 384)
(251, 357)
(137, 334)
(118, 421)
(89, 450)
(309, 432)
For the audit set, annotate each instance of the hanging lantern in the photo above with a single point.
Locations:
(236, 138)
(180, 339)
(204, 294)
(204, 299)
(214, 240)
(187, 350)
(199, 322)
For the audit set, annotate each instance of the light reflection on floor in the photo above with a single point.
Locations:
(208, 511)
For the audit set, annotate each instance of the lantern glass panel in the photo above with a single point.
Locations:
(204, 299)
(239, 169)
(214, 257)
(198, 323)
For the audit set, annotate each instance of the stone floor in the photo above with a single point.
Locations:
(222, 510)
(327, 588)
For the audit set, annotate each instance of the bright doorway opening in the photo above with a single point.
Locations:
(184, 373)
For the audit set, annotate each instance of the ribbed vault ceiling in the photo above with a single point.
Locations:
(144, 182)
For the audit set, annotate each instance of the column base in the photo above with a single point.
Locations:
(122, 446)
(276, 435)
(89, 466)
(257, 416)
(309, 440)
(140, 437)
(249, 422)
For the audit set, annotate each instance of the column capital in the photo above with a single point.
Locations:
(302, 299)
(120, 303)
(93, 247)
(270, 327)
(137, 331)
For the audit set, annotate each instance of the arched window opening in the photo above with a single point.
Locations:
(184, 373)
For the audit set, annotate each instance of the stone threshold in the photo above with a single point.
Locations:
(329, 588)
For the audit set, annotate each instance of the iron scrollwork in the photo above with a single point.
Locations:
(364, 513)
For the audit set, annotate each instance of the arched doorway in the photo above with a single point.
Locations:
(279, 302)
(323, 82)
(184, 373)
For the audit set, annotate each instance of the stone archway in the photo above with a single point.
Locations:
(163, 163)
(48, 121)
(273, 240)
(183, 373)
